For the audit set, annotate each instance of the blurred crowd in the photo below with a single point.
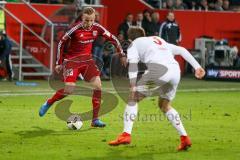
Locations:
(150, 22)
(198, 5)
(167, 29)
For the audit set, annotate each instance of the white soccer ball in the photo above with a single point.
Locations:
(74, 122)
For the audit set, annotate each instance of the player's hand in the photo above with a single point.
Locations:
(58, 68)
(124, 61)
(199, 73)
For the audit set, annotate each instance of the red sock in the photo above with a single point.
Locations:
(96, 102)
(57, 96)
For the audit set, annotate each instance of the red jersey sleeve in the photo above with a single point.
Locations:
(110, 37)
(63, 41)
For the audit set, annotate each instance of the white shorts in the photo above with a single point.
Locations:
(166, 79)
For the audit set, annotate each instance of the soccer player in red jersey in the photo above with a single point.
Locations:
(78, 60)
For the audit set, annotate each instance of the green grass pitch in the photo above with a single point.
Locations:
(210, 112)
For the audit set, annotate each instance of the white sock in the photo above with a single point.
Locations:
(129, 116)
(174, 118)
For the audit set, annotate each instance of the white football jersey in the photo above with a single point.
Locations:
(156, 50)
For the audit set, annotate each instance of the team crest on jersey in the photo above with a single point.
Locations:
(95, 33)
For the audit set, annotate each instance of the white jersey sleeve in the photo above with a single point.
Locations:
(133, 59)
(177, 50)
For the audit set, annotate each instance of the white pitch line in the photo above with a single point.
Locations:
(50, 92)
(25, 94)
(26, 91)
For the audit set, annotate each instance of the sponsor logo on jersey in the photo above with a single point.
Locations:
(68, 72)
(95, 33)
(87, 41)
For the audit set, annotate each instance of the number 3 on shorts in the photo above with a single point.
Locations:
(69, 72)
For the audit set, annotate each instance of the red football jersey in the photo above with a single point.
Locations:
(80, 41)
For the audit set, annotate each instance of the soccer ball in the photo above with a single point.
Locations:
(74, 122)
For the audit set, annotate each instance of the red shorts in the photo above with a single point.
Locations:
(87, 68)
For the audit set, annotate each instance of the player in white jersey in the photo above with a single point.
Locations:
(164, 71)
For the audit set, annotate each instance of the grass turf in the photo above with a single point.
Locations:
(211, 118)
